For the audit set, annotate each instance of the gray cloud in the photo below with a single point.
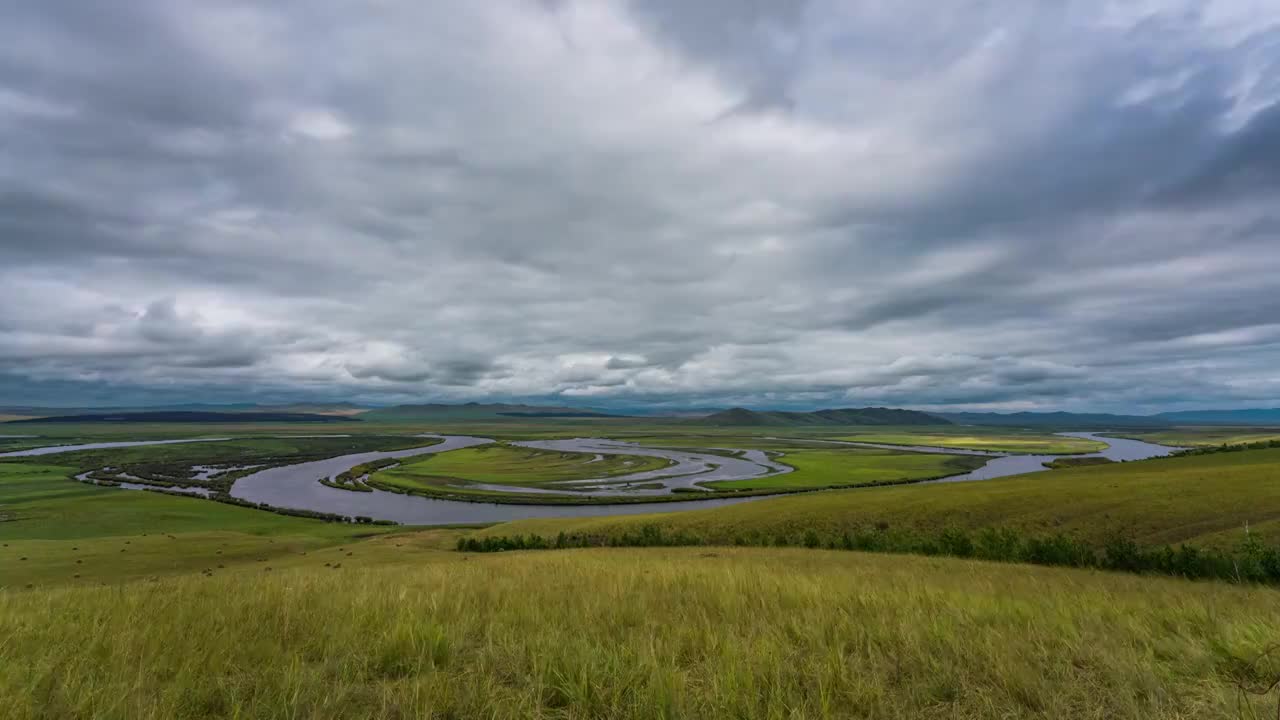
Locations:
(789, 204)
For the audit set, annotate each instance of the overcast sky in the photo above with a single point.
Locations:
(1002, 205)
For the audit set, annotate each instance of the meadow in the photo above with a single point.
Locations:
(514, 465)
(827, 467)
(670, 633)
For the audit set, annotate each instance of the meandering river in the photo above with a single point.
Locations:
(297, 486)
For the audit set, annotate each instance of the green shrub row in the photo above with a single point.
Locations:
(1250, 560)
(1240, 447)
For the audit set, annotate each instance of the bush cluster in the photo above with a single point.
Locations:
(1239, 447)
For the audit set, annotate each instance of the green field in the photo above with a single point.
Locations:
(834, 467)
(512, 465)
(53, 529)
(451, 474)
(1203, 499)
(676, 633)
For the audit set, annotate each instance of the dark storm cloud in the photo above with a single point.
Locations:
(792, 203)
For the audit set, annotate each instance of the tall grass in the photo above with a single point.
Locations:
(672, 633)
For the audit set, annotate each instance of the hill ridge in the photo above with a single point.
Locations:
(740, 416)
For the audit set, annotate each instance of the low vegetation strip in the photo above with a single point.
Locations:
(1250, 561)
(1070, 462)
(356, 479)
(631, 634)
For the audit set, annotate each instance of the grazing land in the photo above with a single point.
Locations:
(734, 633)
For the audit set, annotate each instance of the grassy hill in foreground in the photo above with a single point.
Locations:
(735, 633)
(1205, 499)
(844, 416)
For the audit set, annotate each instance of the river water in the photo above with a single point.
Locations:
(297, 486)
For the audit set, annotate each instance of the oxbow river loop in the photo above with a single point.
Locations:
(296, 486)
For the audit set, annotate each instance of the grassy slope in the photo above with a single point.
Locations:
(1207, 499)
(739, 633)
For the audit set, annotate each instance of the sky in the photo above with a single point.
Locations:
(992, 205)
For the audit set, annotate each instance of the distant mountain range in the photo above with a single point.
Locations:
(186, 416)
(706, 416)
(1055, 419)
(1224, 417)
(336, 409)
(845, 416)
(476, 411)
(1095, 420)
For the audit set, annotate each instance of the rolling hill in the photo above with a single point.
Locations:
(1257, 416)
(743, 417)
(187, 416)
(477, 411)
(1056, 419)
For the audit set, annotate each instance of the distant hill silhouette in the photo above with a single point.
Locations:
(845, 416)
(1055, 419)
(1252, 416)
(477, 411)
(179, 416)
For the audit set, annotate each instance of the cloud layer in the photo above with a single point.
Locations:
(999, 204)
